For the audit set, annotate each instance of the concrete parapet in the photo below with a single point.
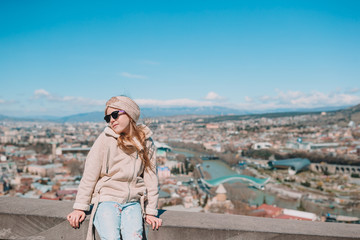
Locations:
(22, 218)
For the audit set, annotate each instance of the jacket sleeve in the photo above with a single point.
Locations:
(90, 176)
(151, 181)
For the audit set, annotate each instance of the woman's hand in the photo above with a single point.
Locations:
(153, 221)
(76, 217)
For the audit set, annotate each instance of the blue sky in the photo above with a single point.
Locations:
(65, 57)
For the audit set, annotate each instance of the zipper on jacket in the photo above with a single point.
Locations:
(132, 177)
(107, 161)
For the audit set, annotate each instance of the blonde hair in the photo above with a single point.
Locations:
(127, 144)
(126, 141)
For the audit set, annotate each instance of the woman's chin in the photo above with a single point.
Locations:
(117, 129)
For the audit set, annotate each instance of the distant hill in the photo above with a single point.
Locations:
(353, 109)
(145, 113)
(346, 115)
(275, 113)
(156, 112)
(3, 117)
(83, 117)
(214, 114)
(7, 118)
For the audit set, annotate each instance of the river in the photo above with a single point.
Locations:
(217, 168)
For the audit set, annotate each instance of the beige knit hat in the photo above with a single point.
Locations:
(126, 104)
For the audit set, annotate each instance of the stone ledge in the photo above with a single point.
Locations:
(22, 218)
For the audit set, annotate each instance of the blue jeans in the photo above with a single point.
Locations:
(112, 219)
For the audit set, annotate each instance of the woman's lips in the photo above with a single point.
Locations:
(115, 125)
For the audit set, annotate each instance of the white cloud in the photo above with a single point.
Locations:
(7, 102)
(298, 99)
(82, 101)
(353, 90)
(213, 96)
(284, 97)
(41, 93)
(265, 98)
(130, 75)
(184, 102)
(248, 99)
(281, 100)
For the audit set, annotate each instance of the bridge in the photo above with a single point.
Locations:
(256, 182)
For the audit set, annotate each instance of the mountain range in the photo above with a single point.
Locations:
(176, 111)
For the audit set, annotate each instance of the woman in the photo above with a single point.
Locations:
(119, 174)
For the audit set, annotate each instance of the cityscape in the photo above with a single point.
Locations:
(294, 165)
(254, 108)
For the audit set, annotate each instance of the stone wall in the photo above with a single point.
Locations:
(22, 218)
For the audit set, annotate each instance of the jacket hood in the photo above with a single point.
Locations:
(109, 132)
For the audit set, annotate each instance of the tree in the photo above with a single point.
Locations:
(175, 170)
(75, 167)
(180, 157)
(301, 206)
(264, 200)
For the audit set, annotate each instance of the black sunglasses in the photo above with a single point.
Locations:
(114, 115)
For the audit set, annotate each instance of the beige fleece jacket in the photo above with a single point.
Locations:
(112, 175)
